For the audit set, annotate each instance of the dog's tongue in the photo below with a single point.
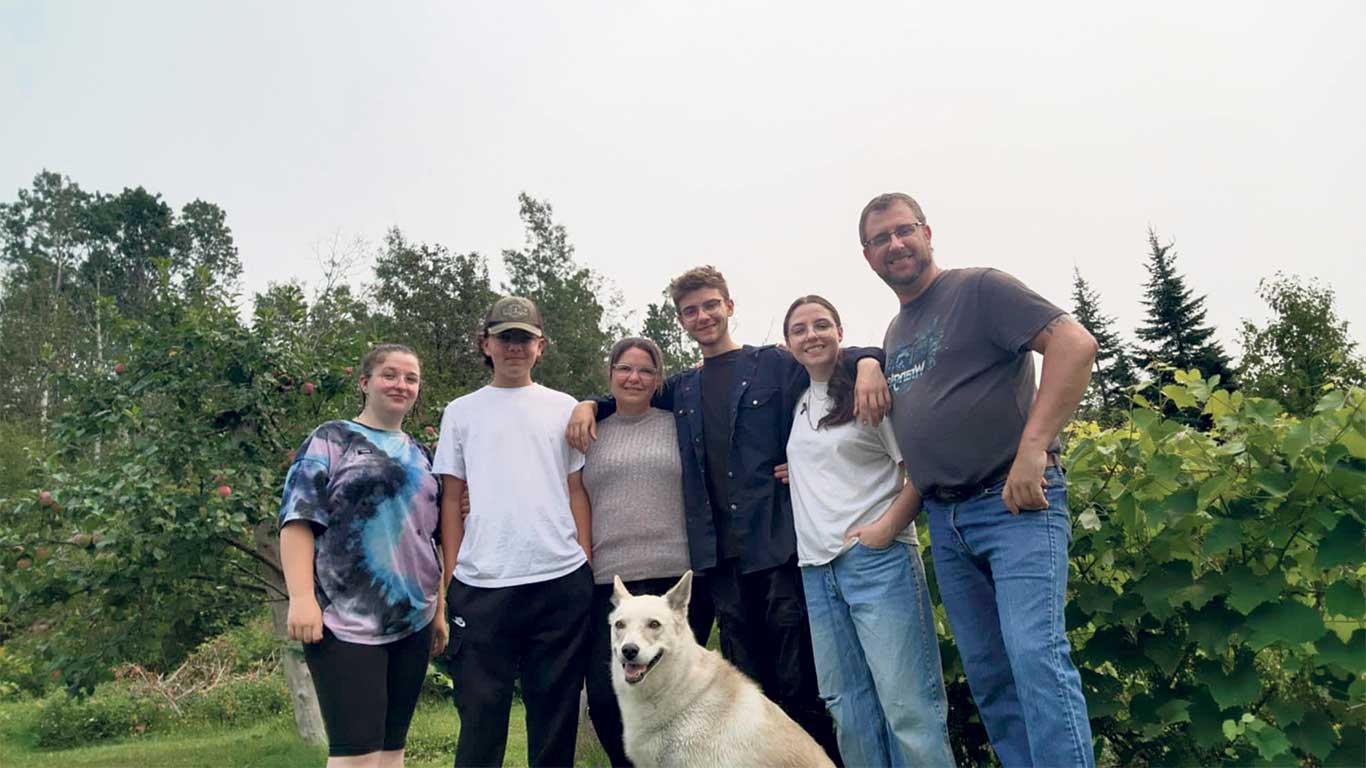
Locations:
(634, 671)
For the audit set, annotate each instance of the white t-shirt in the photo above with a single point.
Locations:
(841, 477)
(508, 444)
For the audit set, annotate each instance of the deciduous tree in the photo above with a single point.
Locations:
(570, 297)
(1303, 348)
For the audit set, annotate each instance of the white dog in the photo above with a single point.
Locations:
(683, 705)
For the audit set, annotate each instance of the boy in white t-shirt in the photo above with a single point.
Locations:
(519, 601)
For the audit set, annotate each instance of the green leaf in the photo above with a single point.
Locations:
(1157, 586)
(1268, 739)
(1350, 656)
(1237, 688)
(1175, 711)
(1331, 401)
(1273, 481)
(1288, 620)
(1112, 644)
(1287, 711)
(1343, 599)
(1296, 440)
(1230, 730)
(1262, 410)
(1352, 750)
(1355, 443)
(1104, 694)
(1348, 482)
(1344, 546)
(1164, 467)
(1206, 721)
(1205, 588)
(1127, 514)
(1224, 535)
(1211, 488)
(1180, 504)
(1313, 735)
(1248, 590)
(1165, 651)
(1094, 598)
(1179, 395)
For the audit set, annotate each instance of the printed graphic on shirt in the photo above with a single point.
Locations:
(913, 360)
(373, 499)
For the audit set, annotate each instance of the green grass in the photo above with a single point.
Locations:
(268, 744)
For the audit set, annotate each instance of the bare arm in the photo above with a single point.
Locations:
(872, 399)
(305, 618)
(583, 513)
(880, 533)
(453, 490)
(1068, 352)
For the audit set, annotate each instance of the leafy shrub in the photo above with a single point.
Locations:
(67, 722)
(240, 701)
(1217, 608)
(17, 675)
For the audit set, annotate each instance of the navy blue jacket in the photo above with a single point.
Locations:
(768, 381)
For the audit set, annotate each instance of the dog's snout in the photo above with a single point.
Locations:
(630, 651)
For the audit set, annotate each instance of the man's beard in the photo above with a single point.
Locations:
(920, 264)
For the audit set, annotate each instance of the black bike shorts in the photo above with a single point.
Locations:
(368, 693)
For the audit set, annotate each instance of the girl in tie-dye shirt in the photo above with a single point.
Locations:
(357, 523)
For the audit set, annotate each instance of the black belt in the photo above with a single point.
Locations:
(953, 494)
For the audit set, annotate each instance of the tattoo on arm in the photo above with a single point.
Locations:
(1057, 321)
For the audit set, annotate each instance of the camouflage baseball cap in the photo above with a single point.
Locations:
(513, 313)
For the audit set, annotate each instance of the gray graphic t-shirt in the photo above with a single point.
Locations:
(372, 500)
(962, 378)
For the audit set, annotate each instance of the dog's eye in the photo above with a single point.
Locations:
(620, 625)
(654, 624)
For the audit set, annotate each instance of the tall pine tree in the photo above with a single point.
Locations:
(1114, 369)
(1175, 332)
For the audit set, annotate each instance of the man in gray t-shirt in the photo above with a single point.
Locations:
(981, 446)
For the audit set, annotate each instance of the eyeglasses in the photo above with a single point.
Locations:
(710, 306)
(902, 231)
(626, 371)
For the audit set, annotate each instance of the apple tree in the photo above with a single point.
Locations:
(154, 524)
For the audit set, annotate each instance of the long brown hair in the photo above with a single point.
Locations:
(841, 384)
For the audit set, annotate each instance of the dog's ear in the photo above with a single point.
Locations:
(680, 594)
(619, 592)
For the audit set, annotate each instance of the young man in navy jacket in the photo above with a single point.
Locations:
(734, 415)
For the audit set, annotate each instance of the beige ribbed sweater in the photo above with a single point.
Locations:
(634, 480)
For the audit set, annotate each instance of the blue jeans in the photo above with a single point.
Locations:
(1003, 580)
(877, 657)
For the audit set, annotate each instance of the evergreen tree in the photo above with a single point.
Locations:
(1105, 398)
(1175, 332)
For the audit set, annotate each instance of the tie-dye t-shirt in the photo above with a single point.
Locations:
(372, 500)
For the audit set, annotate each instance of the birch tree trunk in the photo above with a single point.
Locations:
(308, 717)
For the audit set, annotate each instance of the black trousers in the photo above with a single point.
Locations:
(764, 633)
(539, 631)
(602, 700)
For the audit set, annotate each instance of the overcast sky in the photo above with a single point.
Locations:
(1037, 136)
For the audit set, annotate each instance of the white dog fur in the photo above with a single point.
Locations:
(683, 705)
